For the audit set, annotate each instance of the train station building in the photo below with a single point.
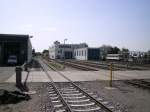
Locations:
(87, 53)
(17, 45)
(73, 51)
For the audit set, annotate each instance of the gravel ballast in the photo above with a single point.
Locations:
(127, 97)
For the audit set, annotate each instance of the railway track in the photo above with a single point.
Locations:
(104, 65)
(96, 66)
(123, 65)
(81, 66)
(78, 66)
(69, 97)
(139, 83)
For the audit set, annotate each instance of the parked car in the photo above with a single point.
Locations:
(12, 60)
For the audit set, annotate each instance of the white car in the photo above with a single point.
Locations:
(12, 60)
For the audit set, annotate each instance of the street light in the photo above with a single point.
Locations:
(65, 40)
(64, 51)
(64, 47)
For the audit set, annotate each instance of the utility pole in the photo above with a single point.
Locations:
(64, 51)
(111, 67)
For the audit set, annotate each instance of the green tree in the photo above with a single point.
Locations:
(125, 50)
(115, 50)
(45, 51)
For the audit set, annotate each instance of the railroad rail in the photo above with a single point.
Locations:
(121, 65)
(96, 66)
(140, 83)
(104, 65)
(72, 98)
(59, 104)
(76, 65)
(81, 66)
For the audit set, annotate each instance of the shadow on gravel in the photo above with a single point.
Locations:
(23, 87)
(12, 97)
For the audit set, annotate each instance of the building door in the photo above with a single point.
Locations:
(68, 55)
(93, 54)
(11, 48)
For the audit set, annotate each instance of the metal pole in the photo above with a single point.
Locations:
(26, 67)
(18, 76)
(64, 51)
(111, 75)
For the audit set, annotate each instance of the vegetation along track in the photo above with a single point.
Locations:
(69, 97)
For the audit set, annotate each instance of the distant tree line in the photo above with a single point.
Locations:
(112, 50)
(107, 49)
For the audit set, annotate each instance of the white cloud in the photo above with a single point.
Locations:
(50, 29)
(28, 26)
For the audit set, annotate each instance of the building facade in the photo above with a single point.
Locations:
(18, 45)
(87, 53)
(73, 51)
(63, 51)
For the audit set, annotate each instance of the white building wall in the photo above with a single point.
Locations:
(61, 51)
(81, 54)
(58, 50)
(52, 52)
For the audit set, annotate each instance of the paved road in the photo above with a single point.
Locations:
(40, 76)
(5, 73)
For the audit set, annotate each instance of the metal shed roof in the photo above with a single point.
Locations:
(14, 35)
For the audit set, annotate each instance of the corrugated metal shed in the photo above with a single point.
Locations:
(13, 44)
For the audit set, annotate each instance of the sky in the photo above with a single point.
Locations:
(122, 23)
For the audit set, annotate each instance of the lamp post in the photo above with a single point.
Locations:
(64, 47)
(65, 40)
(64, 50)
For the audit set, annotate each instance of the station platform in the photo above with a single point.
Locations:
(40, 76)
